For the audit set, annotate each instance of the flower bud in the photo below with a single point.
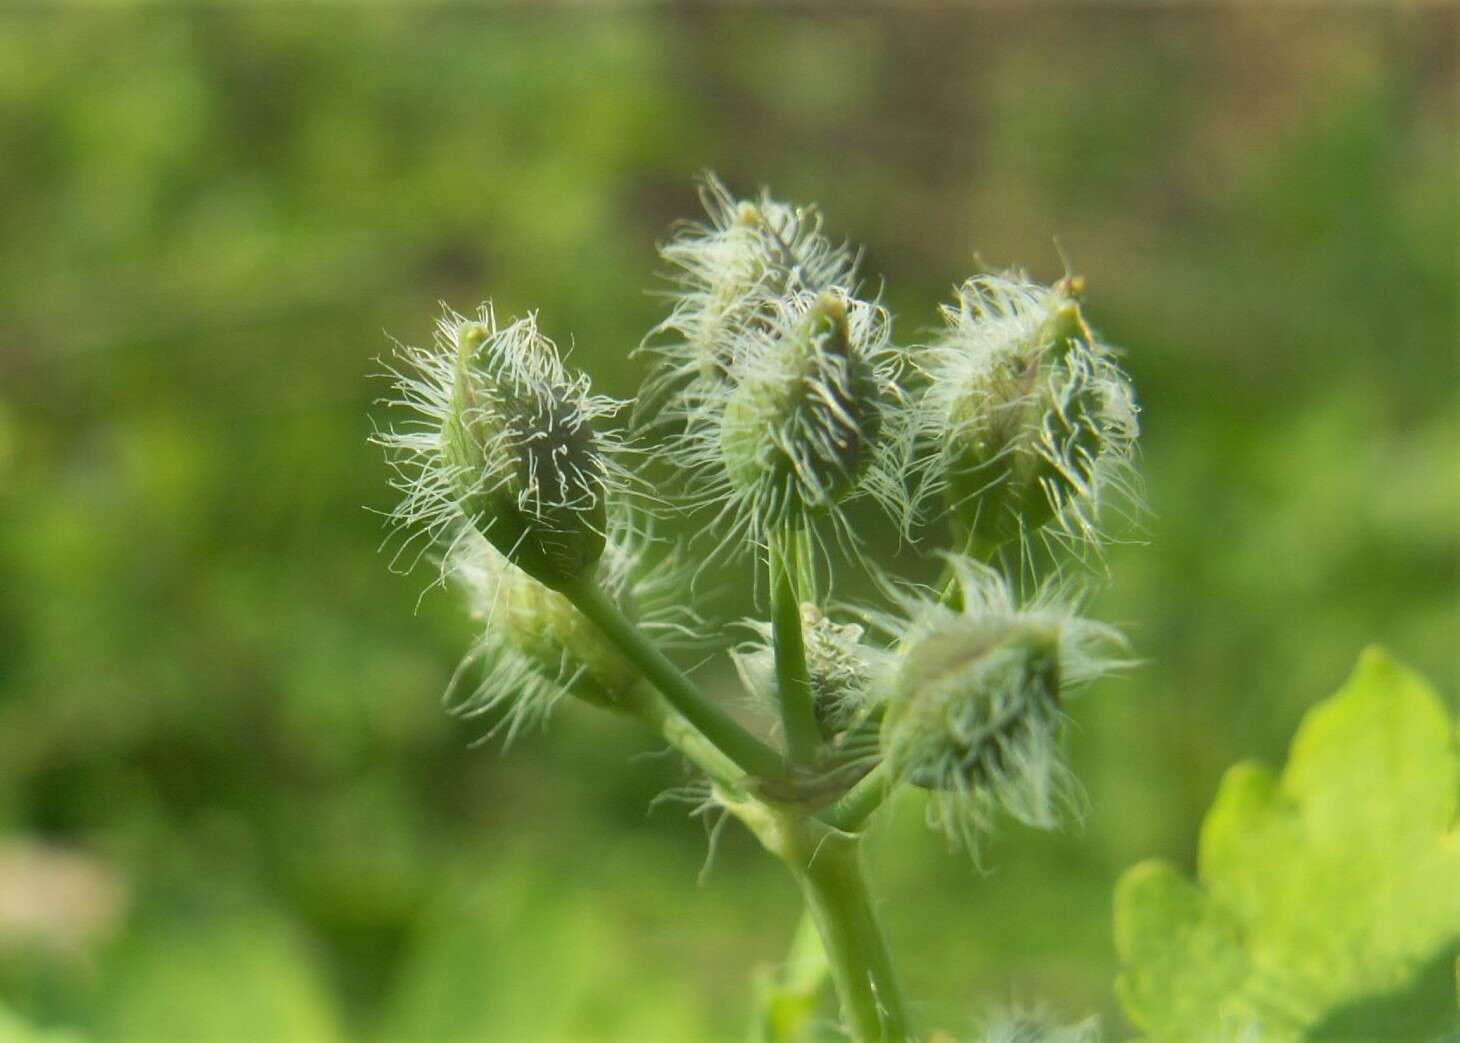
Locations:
(536, 647)
(535, 638)
(505, 439)
(839, 667)
(776, 387)
(973, 708)
(523, 457)
(971, 700)
(798, 430)
(1030, 414)
(728, 274)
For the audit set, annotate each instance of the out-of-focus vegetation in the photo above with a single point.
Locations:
(231, 807)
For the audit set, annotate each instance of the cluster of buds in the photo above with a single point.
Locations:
(779, 384)
(781, 395)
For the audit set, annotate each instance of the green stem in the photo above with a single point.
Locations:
(655, 711)
(747, 752)
(831, 879)
(851, 811)
(793, 685)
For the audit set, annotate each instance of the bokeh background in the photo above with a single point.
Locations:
(231, 805)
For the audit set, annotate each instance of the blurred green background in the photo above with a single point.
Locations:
(231, 805)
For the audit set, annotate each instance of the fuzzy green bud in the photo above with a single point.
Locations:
(839, 666)
(996, 453)
(557, 643)
(972, 703)
(797, 429)
(522, 454)
(1029, 413)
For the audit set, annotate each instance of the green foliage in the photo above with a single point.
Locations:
(240, 978)
(13, 1030)
(209, 687)
(563, 977)
(787, 1003)
(1328, 902)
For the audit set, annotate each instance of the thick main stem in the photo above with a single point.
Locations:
(748, 753)
(836, 894)
(828, 866)
(793, 684)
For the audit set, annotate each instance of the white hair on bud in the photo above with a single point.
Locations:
(813, 428)
(537, 422)
(747, 283)
(1083, 441)
(534, 647)
(997, 745)
(727, 272)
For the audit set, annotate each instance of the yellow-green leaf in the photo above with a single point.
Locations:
(1327, 905)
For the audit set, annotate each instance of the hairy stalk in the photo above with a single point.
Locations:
(747, 752)
(656, 711)
(793, 685)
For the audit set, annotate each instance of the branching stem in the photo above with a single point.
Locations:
(851, 811)
(747, 752)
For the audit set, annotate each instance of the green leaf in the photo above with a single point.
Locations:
(1328, 901)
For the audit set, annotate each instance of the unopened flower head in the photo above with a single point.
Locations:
(1031, 420)
(728, 272)
(505, 437)
(776, 383)
(839, 665)
(536, 648)
(807, 420)
(974, 706)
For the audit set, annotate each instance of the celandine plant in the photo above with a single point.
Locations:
(781, 396)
